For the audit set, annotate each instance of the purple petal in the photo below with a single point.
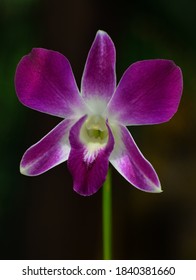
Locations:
(129, 162)
(88, 170)
(99, 77)
(148, 93)
(44, 81)
(50, 151)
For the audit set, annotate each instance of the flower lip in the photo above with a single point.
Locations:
(88, 163)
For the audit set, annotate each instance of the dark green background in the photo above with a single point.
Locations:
(41, 217)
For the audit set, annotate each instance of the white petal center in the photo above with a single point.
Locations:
(94, 131)
(94, 135)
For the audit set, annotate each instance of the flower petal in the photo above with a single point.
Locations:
(50, 151)
(131, 164)
(44, 81)
(148, 93)
(89, 169)
(99, 77)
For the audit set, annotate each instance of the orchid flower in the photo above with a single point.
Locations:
(93, 130)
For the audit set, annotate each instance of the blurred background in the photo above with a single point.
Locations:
(42, 217)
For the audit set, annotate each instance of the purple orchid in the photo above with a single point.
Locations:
(93, 132)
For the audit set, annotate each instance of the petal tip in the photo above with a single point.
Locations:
(101, 32)
(83, 193)
(23, 170)
(157, 190)
(156, 187)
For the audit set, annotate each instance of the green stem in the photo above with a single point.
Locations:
(107, 218)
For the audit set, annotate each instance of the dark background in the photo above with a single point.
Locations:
(42, 217)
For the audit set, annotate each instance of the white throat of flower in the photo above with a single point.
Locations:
(94, 135)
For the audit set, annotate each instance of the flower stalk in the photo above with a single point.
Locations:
(107, 218)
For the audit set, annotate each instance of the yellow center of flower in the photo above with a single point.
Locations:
(94, 130)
